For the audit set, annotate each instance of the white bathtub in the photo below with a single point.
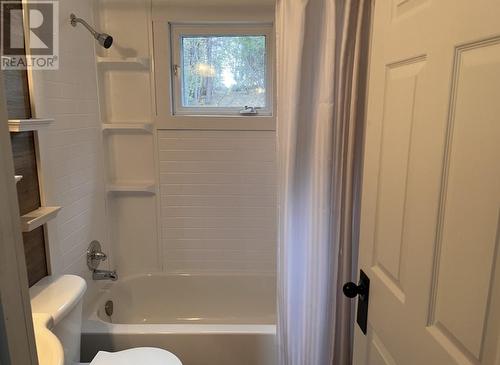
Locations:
(204, 320)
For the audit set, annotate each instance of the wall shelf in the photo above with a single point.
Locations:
(128, 127)
(18, 178)
(24, 125)
(147, 187)
(38, 217)
(128, 62)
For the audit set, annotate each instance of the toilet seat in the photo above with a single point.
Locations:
(136, 356)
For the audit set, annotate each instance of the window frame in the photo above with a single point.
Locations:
(179, 30)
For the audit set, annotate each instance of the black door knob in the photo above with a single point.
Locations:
(351, 290)
(362, 290)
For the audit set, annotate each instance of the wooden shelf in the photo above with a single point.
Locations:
(128, 127)
(147, 187)
(33, 124)
(128, 62)
(38, 217)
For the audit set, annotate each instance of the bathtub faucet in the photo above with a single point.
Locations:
(105, 275)
(94, 258)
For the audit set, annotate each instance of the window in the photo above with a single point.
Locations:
(221, 70)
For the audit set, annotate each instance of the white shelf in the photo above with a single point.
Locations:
(33, 124)
(140, 62)
(128, 127)
(147, 187)
(18, 178)
(38, 217)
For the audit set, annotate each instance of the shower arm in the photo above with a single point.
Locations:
(75, 20)
(105, 40)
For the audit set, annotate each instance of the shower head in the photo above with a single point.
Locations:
(105, 40)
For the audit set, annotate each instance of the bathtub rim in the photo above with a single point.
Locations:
(92, 326)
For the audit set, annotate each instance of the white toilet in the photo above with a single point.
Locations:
(56, 304)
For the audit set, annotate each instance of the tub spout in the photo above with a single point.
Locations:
(105, 275)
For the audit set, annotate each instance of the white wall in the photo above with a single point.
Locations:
(71, 149)
(146, 233)
(218, 201)
(218, 187)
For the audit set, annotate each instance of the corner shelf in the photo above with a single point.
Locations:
(147, 187)
(128, 127)
(38, 217)
(127, 62)
(24, 125)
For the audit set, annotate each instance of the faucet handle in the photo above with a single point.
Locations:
(95, 255)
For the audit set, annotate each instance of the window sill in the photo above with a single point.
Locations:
(218, 122)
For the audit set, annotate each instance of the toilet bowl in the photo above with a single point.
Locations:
(56, 305)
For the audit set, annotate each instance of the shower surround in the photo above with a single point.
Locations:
(192, 211)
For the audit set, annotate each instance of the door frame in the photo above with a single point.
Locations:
(15, 308)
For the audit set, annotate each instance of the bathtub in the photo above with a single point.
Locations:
(203, 319)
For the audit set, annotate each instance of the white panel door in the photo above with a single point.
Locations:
(431, 186)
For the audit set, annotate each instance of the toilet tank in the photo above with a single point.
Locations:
(61, 298)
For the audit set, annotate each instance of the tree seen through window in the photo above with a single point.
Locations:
(223, 71)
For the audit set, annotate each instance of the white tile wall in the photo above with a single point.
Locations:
(71, 149)
(218, 201)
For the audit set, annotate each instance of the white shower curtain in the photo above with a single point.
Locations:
(322, 56)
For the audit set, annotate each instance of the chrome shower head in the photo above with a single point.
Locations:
(105, 40)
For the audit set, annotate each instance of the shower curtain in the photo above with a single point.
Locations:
(322, 51)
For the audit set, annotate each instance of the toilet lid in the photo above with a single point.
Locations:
(136, 356)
